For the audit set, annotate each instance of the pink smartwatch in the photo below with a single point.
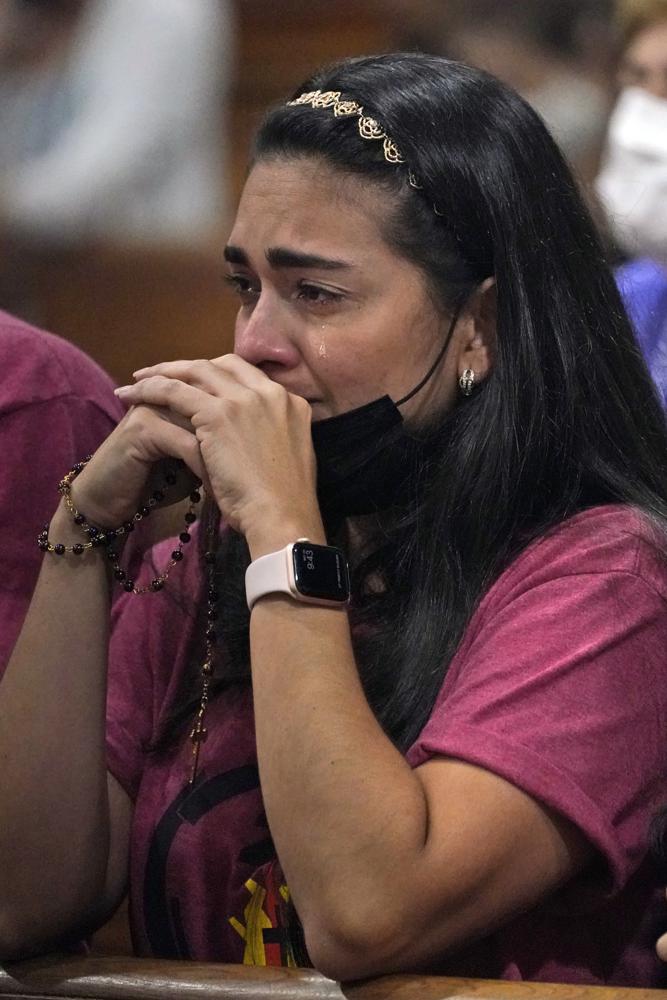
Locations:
(315, 574)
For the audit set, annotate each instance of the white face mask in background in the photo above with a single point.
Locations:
(633, 181)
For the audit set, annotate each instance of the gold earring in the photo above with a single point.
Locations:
(467, 382)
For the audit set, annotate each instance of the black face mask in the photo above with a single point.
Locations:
(367, 461)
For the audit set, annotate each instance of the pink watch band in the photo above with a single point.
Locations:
(270, 574)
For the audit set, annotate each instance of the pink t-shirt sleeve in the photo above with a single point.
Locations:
(560, 685)
(56, 406)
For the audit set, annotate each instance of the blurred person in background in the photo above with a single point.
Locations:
(644, 61)
(55, 406)
(556, 55)
(633, 181)
(632, 184)
(110, 113)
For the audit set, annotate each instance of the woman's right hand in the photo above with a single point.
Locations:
(131, 464)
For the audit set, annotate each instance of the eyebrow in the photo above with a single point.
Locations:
(282, 257)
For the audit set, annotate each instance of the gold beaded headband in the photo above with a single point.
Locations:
(369, 128)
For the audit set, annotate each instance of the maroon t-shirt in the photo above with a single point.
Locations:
(559, 686)
(56, 406)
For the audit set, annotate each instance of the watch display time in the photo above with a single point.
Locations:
(320, 571)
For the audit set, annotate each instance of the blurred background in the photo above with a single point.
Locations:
(125, 126)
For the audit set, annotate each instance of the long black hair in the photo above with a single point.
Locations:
(568, 417)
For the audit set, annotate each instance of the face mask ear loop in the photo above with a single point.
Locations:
(443, 351)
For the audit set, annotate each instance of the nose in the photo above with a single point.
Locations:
(262, 336)
(656, 83)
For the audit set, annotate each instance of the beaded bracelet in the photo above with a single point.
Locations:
(105, 537)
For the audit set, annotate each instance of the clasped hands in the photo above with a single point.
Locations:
(243, 435)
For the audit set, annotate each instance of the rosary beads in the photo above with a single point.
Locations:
(107, 537)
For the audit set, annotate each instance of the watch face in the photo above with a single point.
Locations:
(320, 572)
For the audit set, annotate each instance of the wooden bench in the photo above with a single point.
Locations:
(147, 979)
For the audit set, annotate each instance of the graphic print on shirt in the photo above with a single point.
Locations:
(266, 928)
(162, 918)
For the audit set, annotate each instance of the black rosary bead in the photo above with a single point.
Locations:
(78, 549)
(119, 574)
(184, 537)
(157, 584)
(209, 557)
(59, 549)
(190, 517)
(177, 555)
(79, 519)
(144, 511)
(112, 555)
(44, 545)
(195, 496)
(128, 585)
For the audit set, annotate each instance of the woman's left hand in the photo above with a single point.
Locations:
(255, 442)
